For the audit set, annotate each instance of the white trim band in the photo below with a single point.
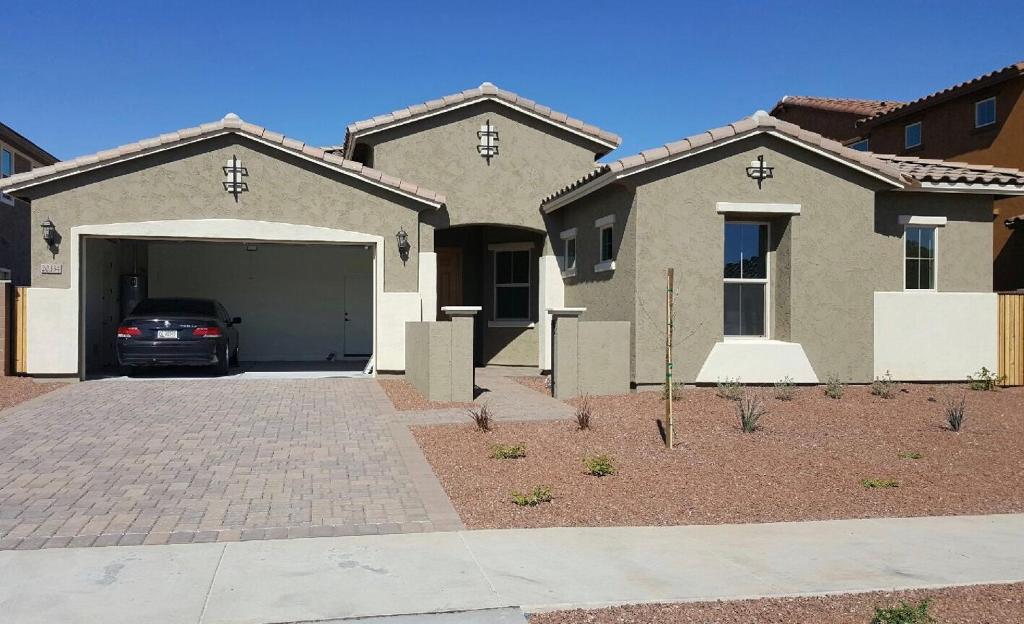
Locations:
(604, 221)
(607, 265)
(757, 208)
(919, 220)
(566, 234)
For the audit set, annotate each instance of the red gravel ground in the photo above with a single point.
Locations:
(534, 382)
(805, 463)
(405, 397)
(14, 390)
(988, 604)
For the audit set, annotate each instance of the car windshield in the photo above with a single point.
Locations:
(177, 307)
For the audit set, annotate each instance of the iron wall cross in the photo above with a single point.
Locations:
(758, 171)
(233, 174)
(488, 136)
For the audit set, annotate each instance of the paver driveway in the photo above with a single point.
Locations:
(176, 461)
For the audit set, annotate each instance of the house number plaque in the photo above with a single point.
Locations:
(51, 268)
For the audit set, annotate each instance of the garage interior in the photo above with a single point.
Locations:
(304, 307)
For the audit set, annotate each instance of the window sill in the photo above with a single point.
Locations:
(607, 265)
(749, 339)
(569, 273)
(527, 324)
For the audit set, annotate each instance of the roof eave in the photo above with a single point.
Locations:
(998, 190)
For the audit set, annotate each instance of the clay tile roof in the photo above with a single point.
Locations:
(1006, 73)
(864, 108)
(486, 91)
(948, 172)
(230, 124)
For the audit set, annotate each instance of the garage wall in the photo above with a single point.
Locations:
(291, 297)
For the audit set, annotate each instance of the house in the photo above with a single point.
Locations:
(980, 121)
(17, 155)
(835, 118)
(836, 261)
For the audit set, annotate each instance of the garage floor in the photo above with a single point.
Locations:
(180, 461)
(347, 369)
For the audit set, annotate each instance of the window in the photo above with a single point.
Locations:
(860, 146)
(607, 242)
(985, 112)
(912, 135)
(746, 278)
(570, 255)
(920, 258)
(6, 164)
(512, 285)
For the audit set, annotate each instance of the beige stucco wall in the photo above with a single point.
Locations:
(535, 158)
(186, 183)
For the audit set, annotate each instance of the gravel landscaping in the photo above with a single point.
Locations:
(988, 604)
(812, 458)
(405, 397)
(14, 390)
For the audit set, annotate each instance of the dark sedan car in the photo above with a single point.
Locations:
(178, 332)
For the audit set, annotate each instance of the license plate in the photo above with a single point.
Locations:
(166, 334)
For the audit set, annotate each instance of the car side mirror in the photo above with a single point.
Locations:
(237, 320)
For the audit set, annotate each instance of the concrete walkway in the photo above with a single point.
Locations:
(341, 577)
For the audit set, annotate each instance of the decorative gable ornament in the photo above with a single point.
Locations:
(488, 145)
(233, 174)
(759, 171)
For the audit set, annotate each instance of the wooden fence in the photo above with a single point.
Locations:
(1011, 338)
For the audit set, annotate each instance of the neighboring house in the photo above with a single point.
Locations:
(980, 121)
(840, 262)
(835, 118)
(17, 155)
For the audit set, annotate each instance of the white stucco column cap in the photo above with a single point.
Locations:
(566, 311)
(461, 310)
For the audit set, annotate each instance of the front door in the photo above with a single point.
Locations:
(449, 278)
(358, 315)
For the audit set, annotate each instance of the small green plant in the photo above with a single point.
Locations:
(677, 391)
(584, 410)
(508, 451)
(834, 387)
(482, 417)
(909, 455)
(599, 466)
(539, 494)
(955, 409)
(904, 614)
(884, 386)
(879, 484)
(785, 389)
(750, 410)
(730, 389)
(984, 380)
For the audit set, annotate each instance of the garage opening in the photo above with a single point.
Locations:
(304, 307)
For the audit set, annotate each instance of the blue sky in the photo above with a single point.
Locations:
(84, 76)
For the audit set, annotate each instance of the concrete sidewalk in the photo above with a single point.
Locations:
(340, 577)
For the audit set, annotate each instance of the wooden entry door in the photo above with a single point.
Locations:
(449, 278)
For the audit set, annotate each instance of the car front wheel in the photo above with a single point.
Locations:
(223, 365)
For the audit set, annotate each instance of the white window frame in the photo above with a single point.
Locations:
(497, 321)
(995, 112)
(605, 223)
(865, 142)
(920, 135)
(766, 280)
(567, 236)
(934, 223)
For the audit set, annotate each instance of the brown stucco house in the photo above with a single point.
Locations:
(838, 262)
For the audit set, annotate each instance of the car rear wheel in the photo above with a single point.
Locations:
(234, 357)
(127, 371)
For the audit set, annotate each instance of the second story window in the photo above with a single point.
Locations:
(985, 112)
(6, 163)
(912, 135)
(860, 146)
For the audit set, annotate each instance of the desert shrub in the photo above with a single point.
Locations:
(677, 391)
(884, 386)
(955, 409)
(482, 417)
(508, 451)
(750, 410)
(876, 484)
(984, 380)
(785, 388)
(904, 614)
(599, 466)
(909, 455)
(539, 494)
(834, 387)
(583, 412)
(730, 389)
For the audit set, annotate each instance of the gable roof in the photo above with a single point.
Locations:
(230, 124)
(486, 91)
(17, 140)
(898, 171)
(864, 108)
(995, 77)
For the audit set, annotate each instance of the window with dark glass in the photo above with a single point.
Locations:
(607, 243)
(920, 258)
(985, 112)
(6, 164)
(512, 285)
(912, 135)
(746, 278)
(570, 254)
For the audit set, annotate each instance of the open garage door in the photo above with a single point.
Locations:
(303, 306)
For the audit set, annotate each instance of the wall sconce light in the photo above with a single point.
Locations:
(759, 171)
(50, 234)
(488, 147)
(403, 244)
